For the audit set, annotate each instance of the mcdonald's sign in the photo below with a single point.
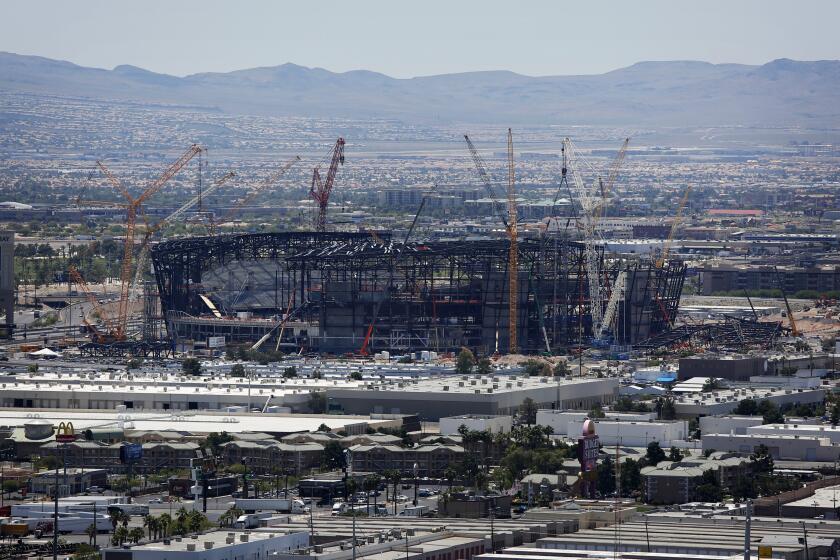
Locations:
(65, 433)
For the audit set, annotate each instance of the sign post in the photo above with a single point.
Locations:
(588, 449)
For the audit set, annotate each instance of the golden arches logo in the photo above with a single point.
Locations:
(65, 432)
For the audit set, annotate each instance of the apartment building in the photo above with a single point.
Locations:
(431, 460)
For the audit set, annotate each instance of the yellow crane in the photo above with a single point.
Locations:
(513, 255)
(666, 248)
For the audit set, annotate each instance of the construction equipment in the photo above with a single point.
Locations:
(513, 256)
(272, 180)
(143, 253)
(612, 305)
(666, 248)
(320, 190)
(793, 330)
(132, 208)
(106, 334)
(511, 229)
(589, 201)
(615, 167)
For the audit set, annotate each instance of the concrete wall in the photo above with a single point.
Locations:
(728, 424)
(781, 447)
(635, 434)
(494, 424)
(559, 420)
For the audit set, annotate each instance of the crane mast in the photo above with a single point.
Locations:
(133, 205)
(513, 256)
(321, 190)
(666, 248)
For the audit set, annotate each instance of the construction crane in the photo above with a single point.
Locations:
(132, 208)
(615, 167)
(612, 304)
(666, 248)
(106, 334)
(511, 229)
(513, 254)
(143, 253)
(589, 201)
(321, 190)
(271, 181)
(793, 330)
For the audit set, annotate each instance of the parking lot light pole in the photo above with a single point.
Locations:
(414, 469)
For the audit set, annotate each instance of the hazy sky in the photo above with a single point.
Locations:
(404, 39)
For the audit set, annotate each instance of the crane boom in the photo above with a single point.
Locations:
(666, 248)
(76, 278)
(481, 168)
(794, 331)
(321, 191)
(513, 255)
(261, 187)
(615, 167)
(143, 253)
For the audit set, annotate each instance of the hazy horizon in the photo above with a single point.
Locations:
(537, 38)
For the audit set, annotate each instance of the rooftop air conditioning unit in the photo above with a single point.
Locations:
(208, 545)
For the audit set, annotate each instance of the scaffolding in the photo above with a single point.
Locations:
(433, 296)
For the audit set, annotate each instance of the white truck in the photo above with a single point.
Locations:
(282, 505)
(250, 520)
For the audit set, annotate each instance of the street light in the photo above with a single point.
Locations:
(414, 470)
(348, 466)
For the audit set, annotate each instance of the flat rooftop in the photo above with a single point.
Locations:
(469, 384)
(218, 538)
(187, 421)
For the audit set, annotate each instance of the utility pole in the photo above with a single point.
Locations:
(805, 535)
(747, 527)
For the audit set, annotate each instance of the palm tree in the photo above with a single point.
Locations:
(195, 521)
(120, 536)
(449, 474)
(165, 523)
(136, 534)
(91, 532)
(228, 518)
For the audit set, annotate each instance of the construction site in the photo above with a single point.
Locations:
(363, 292)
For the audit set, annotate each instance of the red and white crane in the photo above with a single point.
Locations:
(321, 190)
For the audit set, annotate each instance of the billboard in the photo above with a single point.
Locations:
(588, 446)
(215, 342)
(131, 453)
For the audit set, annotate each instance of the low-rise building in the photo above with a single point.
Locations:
(215, 545)
(676, 482)
(476, 422)
(728, 423)
(156, 456)
(785, 447)
(74, 482)
(266, 457)
(431, 460)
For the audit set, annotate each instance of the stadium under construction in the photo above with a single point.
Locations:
(356, 292)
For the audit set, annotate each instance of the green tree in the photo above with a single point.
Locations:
(289, 372)
(606, 476)
(10, 485)
(835, 414)
(597, 411)
(136, 534)
(708, 490)
(465, 362)
(631, 477)
(711, 384)
(561, 369)
(484, 366)
(229, 517)
(317, 402)
(356, 375)
(333, 456)
(323, 428)
(528, 410)
(165, 522)
(655, 454)
(191, 366)
(237, 370)
(675, 455)
(120, 536)
(215, 441)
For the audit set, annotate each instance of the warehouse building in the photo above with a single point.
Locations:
(215, 545)
(725, 401)
(784, 447)
(635, 430)
(436, 398)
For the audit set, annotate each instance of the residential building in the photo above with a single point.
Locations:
(431, 460)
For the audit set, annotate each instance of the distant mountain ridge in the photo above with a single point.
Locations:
(668, 93)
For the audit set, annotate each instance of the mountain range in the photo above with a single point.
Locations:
(673, 93)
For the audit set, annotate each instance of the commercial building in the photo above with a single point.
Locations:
(724, 401)
(215, 545)
(270, 456)
(727, 424)
(431, 460)
(7, 279)
(436, 398)
(726, 278)
(461, 504)
(832, 433)
(156, 456)
(785, 447)
(676, 482)
(476, 422)
(688, 538)
(75, 482)
(635, 430)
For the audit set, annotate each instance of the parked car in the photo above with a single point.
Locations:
(401, 498)
(95, 490)
(156, 501)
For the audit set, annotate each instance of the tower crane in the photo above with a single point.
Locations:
(107, 322)
(321, 190)
(793, 330)
(132, 207)
(272, 180)
(666, 248)
(511, 229)
(513, 255)
(615, 167)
